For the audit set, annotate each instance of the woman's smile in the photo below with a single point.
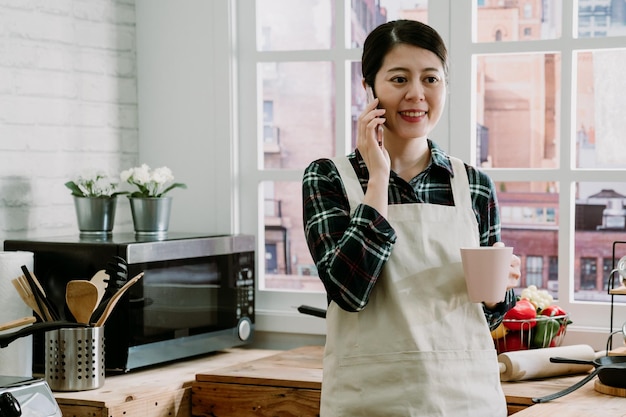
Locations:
(412, 116)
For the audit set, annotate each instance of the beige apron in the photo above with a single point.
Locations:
(420, 347)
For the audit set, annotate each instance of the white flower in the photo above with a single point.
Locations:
(92, 184)
(151, 183)
(162, 175)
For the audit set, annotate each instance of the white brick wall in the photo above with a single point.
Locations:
(68, 101)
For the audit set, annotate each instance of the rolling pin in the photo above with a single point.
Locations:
(535, 363)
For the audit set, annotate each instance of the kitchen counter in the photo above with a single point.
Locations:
(259, 383)
(584, 402)
(157, 391)
(289, 382)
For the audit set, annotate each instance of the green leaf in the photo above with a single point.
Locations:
(74, 188)
(171, 187)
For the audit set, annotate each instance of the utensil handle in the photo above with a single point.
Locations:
(35, 290)
(558, 359)
(313, 311)
(17, 323)
(567, 390)
(45, 326)
(40, 297)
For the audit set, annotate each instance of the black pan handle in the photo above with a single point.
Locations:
(568, 390)
(558, 359)
(312, 311)
(44, 326)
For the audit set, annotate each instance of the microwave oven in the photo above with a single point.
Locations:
(196, 295)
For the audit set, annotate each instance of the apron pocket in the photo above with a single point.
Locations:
(424, 384)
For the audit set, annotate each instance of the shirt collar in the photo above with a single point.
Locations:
(437, 158)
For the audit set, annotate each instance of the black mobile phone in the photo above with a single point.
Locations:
(370, 93)
(370, 97)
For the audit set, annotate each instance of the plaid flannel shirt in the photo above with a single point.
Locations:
(350, 251)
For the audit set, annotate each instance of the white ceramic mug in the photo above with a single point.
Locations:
(486, 271)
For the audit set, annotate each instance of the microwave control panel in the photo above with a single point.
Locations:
(244, 284)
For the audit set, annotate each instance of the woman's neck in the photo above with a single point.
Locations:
(409, 158)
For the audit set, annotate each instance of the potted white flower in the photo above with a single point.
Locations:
(95, 199)
(150, 206)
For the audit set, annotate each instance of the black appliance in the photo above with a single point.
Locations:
(196, 295)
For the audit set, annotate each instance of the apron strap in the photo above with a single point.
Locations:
(460, 184)
(351, 183)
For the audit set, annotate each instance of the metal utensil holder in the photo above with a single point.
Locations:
(75, 358)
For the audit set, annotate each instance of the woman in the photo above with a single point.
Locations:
(385, 225)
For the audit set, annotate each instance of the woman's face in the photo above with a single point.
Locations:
(411, 86)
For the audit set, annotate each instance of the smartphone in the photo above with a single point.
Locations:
(379, 130)
(370, 93)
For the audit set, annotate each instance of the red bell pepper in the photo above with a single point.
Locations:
(553, 311)
(512, 341)
(523, 313)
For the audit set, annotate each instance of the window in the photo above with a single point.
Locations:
(534, 271)
(536, 107)
(588, 273)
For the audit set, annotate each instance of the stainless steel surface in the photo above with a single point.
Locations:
(188, 248)
(74, 359)
(33, 396)
(183, 347)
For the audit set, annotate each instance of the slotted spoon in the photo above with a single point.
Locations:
(116, 297)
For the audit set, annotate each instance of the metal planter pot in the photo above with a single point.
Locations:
(95, 215)
(151, 216)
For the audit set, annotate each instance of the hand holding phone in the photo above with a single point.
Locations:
(379, 129)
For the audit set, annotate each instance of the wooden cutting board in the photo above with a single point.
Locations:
(606, 389)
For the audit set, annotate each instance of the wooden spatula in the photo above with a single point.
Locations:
(81, 297)
(100, 280)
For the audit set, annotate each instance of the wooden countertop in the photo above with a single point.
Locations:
(584, 402)
(294, 377)
(302, 368)
(156, 391)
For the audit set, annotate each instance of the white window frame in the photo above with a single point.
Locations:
(275, 309)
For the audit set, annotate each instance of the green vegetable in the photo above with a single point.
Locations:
(544, 332)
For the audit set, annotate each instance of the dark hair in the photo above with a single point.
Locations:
(384, 37)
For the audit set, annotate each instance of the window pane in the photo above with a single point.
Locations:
(600, 100)
(529, 217)
(600, 221)
(601, 18)
(518, 110)
(366, 15)
(298, 113)
(358, 98)
(500, 21)
(292, 25)
(534, 271)
(288, 263)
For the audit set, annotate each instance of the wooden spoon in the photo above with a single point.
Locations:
(116, 297)
(81, 297)
(18, 323)
(100, 280)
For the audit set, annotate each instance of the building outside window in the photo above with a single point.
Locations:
(535, 93)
